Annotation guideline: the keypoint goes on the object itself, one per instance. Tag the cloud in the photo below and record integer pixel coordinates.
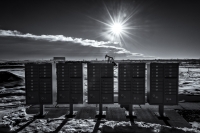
(113, 46)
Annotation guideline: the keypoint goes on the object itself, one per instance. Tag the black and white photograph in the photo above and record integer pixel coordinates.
(99, 66)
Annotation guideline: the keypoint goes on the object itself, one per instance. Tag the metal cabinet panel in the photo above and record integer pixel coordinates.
(46, 98)
(170, 99)
(170, 92)
(76, 98)
(63, 97)
(124, 97)
(32, 97)
(138, 99)
(107, 98)
(93, 97)
(156, 97)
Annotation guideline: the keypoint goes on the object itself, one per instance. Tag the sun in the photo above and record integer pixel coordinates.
(117, 28)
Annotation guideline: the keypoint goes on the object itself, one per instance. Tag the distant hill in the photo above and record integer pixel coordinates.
(8, 77)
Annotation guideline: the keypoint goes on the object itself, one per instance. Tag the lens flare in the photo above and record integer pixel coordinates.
(117, 28)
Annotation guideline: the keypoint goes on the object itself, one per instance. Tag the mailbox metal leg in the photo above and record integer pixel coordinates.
(71, 109)
(100, 109)
(130, 110)
(161, 110)
(42, 112)
(41, 109)
(70, 113)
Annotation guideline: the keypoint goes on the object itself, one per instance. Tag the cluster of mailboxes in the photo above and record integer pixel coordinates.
(100, 83)
(131, 83)
(38, 83)
(69, 83)
(163, 87)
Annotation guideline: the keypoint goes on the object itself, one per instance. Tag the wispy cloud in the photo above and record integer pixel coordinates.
(84, 42)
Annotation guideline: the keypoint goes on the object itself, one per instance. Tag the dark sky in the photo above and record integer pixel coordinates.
(162, 29)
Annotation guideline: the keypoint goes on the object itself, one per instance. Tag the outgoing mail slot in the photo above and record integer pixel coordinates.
(76, 98)
(170, 99)
(156, 98)
(93, 97)
(138, 99)
(107, 98)
(46, 98)
(32, 97)
(63, 97)
(124, 97)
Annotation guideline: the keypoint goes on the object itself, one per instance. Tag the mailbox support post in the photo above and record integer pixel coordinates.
(130, 110)
(161, 110)
(41, 109)
(100, 109)
(42, 112)
(71, 109)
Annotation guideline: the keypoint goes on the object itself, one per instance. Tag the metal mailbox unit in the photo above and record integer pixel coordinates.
(163, 84)
(38, 81)
(69, 83)
(131, 82)
(100, 84)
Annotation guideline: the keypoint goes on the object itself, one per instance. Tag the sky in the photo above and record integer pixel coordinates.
(81, 29)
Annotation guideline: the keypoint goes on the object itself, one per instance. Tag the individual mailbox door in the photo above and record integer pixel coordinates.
(93, 97)
(32, 97)
(124, 97)
(63, 97)
(107, 98)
